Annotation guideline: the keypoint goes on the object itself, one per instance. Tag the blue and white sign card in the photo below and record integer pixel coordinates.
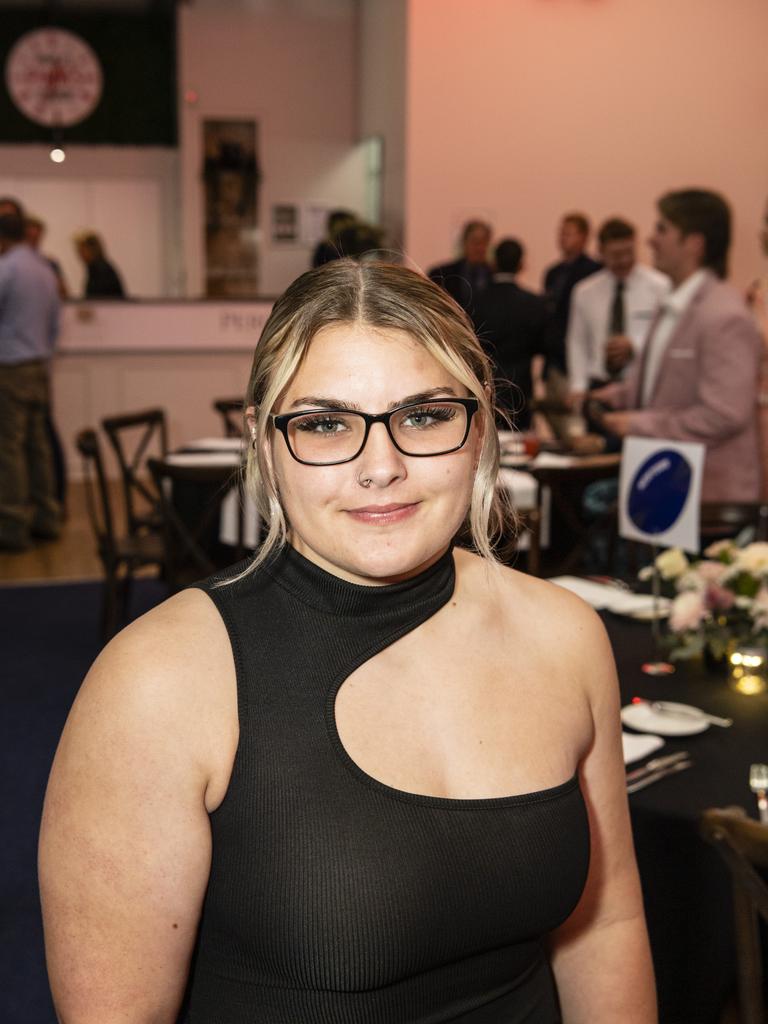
(660, 492)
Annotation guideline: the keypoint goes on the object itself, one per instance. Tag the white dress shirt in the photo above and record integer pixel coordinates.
(590, 318)
(672, 308)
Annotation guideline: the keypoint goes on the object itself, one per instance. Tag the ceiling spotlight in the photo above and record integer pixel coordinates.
(58, 155)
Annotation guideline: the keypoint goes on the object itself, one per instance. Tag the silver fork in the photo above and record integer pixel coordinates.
(758, 783)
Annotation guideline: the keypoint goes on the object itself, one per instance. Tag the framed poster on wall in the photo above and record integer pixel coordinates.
(285, 223)
(231, 180)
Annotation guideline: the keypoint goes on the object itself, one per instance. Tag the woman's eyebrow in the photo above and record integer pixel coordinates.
(316, 402)
(423, 396)
(320, 402)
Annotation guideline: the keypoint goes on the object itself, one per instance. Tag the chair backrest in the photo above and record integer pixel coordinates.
(133, 437)
(231, 411)
(726, 519)
(743, 845)
(528, 524)
(97, 492)
(190, 503)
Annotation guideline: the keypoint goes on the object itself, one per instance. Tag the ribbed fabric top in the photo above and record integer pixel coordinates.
(334, 898)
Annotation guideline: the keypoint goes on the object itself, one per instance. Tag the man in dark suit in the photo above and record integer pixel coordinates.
(561, 278)
(467, 278)
(559, 281)
(511, 325)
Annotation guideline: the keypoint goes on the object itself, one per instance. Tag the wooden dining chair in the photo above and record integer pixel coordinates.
(120, 555)
(529, 525)
(566, 485)
(191, 499)
(231, 412)
(743, 845)
(134, 437)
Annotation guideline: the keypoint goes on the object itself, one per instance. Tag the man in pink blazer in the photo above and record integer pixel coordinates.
(698, 376)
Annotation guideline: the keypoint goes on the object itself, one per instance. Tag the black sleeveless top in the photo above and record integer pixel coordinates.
(336, 899)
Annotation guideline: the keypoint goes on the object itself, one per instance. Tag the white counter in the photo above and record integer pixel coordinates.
(116, 357)
(161, 326)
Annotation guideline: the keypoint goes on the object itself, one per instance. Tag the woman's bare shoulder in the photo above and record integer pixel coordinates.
(179, 639)
(535, 607)
(169, 672)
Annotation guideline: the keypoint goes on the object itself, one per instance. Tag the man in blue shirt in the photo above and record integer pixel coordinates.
(29, 314)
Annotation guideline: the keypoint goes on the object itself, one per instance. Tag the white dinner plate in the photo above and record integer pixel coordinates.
(216, 444)
(651, 613)
(664, 723)
(203, 459)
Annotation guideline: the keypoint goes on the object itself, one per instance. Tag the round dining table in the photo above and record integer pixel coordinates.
(686, 885)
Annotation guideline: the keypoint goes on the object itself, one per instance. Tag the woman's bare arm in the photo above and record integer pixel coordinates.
(125, 843)
(600, 956)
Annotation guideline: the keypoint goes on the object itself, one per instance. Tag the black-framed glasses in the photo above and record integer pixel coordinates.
(328, 437)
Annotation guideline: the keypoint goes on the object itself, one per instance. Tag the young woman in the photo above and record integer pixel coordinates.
(371, 778)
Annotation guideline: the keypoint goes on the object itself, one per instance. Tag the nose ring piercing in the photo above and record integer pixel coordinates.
(365, 483)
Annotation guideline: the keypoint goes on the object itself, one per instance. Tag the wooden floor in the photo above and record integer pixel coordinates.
(72, 557)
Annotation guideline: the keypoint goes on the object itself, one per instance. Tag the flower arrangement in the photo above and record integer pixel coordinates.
(720, 599)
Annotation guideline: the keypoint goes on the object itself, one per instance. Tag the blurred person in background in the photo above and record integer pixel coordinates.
(34, 230)
(511, 325)
(29, 316)
(757, 299)
(611, 312)
(467, 278)
(327, 249)
(359, 240)
(561, 278)
(9, 204)
(698, 377)
(102, 279)
(559, 281)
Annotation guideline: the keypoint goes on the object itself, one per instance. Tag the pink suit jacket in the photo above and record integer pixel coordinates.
(706, 390)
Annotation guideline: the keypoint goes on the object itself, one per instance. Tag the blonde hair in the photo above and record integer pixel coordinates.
(378, 295)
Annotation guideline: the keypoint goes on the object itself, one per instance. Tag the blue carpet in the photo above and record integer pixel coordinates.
(50, 636)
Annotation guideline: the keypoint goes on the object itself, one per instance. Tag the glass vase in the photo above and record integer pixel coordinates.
(747, 668)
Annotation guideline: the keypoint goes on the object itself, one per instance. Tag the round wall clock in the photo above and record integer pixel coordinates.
(54, 77)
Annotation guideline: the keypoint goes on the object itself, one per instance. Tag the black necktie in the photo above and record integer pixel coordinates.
(616, 325)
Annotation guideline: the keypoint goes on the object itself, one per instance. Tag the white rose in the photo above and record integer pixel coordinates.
(720, 547)
(691, 580)
(672, 563)
(753, 559)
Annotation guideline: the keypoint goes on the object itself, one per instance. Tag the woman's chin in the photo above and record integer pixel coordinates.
(376, 563)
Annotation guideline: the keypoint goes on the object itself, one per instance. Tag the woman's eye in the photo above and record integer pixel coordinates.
(428, 417)
(322, 425)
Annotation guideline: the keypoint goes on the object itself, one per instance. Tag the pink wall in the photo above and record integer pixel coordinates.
(519, 109)
(293, 68)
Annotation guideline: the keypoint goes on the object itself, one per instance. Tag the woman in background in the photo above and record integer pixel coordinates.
(102, 280)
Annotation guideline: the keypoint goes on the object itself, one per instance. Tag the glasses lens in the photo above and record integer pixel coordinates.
(324, 437)
(429, 429)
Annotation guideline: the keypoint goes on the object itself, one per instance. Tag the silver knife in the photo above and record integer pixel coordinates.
(648, 780)
(656, 763)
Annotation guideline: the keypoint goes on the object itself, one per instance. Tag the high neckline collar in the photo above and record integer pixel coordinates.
(329, 593)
